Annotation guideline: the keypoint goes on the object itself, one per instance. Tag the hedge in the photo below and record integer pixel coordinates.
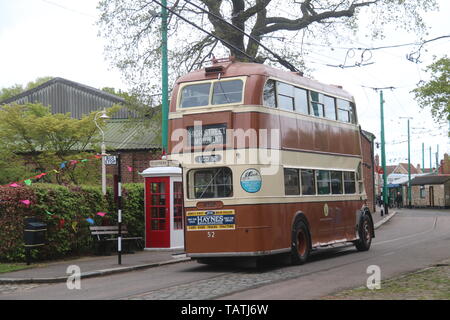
(65, 210)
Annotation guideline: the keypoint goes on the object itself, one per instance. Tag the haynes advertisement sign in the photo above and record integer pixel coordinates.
(210, 220)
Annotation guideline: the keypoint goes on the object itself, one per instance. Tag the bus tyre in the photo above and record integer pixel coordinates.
(301, 243)
(365, 234)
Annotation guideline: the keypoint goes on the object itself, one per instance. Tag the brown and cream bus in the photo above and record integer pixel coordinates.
(271, 163)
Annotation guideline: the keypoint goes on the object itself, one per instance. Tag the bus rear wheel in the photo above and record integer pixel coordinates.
(365, 234)
(301, 243)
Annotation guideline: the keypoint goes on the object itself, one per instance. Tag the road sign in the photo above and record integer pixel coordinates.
(111, 160)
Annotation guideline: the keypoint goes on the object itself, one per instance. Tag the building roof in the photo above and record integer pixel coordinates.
(123, 134)
(390, 169)
(64, 96)
(430, 179)
(368, 135)
(413, 168)
(401, 168)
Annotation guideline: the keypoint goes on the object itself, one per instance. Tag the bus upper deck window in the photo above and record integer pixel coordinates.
(227, 92)
(317, 108)
(330, 107)
(345, 111)
(301, 100)
(286, 95)
(195, 95)
(269, 94)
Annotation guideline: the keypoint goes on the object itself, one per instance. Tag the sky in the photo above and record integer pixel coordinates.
(59, 38)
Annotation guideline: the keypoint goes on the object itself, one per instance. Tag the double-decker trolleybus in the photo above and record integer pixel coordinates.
(271, 163)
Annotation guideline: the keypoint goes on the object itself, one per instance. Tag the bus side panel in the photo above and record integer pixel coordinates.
(266, 228)
(337, 223)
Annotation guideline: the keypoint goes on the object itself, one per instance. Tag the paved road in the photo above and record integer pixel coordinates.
(411, 240)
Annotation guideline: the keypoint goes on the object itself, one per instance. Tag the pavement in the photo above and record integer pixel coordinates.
(97, 266)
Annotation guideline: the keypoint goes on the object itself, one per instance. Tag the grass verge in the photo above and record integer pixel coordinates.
(8, 267)
(428, 284)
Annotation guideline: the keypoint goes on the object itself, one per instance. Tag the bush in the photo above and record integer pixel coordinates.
(65, 210)
(12, 215)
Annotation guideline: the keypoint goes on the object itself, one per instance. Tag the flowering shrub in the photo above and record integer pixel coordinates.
(66, 211)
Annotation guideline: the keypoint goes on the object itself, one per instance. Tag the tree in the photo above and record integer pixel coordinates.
(46, 139)
(6, 93)
(435, 93)
(133, 28)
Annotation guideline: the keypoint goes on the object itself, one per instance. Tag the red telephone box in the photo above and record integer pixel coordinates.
(163, 206)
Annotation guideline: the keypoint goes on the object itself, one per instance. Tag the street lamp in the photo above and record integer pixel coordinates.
(409, 164)
(102, 115)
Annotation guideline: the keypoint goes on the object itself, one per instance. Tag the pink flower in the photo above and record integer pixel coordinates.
(25, 202)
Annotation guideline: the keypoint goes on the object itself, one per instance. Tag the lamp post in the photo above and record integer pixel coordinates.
(409, 164)
(383, 157)
(102, 115)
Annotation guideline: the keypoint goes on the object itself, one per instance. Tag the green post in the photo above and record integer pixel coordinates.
(423, 157)
(164, 77)
(431, 163)
(437, 159)
(409, 169)
(383, 155)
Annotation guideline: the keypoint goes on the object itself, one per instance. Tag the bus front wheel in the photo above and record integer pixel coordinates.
(301, 243)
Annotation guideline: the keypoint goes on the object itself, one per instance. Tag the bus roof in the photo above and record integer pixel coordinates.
(236, 69)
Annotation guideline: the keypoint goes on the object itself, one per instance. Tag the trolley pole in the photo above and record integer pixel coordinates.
(383, 155)
(164, 76)
(119, 210)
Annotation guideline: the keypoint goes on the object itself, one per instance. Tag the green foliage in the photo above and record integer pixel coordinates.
(12, 215)
(133, 208)
(435, 93)
(49, 139)
(65, 210)
(12, 167)
(6, 93)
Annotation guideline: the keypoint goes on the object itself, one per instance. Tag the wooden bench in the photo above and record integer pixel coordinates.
(106, 239)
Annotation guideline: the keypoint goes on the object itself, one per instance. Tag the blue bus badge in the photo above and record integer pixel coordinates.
(251, 180)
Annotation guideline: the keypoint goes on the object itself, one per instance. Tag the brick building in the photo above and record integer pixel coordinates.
(137, 144)
(368, 167)
(431, 191)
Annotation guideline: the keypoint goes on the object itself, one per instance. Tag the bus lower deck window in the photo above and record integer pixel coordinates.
(210, 183)
(291, 182)
(336, 182)
(349, 182)
(308, 182)
(323, 182)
